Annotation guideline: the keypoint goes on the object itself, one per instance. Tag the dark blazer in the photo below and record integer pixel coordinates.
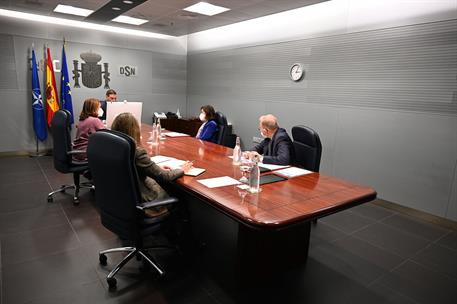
(209, 131)
(277, 150)
(103, 106)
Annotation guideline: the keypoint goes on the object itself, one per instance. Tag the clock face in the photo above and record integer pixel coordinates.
(296, 72)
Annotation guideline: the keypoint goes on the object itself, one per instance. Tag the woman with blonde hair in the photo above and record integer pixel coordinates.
(148, 171)
(88, 124)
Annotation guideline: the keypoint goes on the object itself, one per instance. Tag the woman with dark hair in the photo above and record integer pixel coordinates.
(88, 124)
(208, 130)
(148, 171)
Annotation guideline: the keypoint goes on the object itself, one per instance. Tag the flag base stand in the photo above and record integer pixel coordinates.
(37, 152)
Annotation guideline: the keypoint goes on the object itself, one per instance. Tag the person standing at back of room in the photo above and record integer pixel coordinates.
(110, 96)
(208, 130)
(276, 148)
(88, 124)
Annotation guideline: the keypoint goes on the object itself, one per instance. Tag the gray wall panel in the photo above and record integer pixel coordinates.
(383, 102)
(160, 83)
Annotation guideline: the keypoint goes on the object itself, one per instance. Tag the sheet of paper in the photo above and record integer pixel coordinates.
(175, 134)
(160, 159)
(272, 167)
(218, 182)
(195, 171)
(177, 163)
(292, 172)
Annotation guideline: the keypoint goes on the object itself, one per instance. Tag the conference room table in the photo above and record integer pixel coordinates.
(264, 232)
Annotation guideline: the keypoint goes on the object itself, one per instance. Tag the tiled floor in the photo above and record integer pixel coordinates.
(367, 254)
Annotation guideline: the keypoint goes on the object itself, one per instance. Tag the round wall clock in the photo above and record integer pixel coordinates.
(296, 72)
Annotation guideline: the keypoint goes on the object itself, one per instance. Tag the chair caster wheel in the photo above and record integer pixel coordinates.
(102, 259)
(50, 199)
(75, 201)
(111, 283)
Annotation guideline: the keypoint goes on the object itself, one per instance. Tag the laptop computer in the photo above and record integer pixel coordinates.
(115, 108)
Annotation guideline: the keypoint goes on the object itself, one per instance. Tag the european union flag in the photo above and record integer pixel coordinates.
(65, 91)
(39, 121)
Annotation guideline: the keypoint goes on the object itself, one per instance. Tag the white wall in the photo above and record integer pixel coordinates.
(328, 18)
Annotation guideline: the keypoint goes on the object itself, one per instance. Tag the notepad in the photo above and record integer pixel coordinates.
(160, 159)
(272, 167)
(218, 182)
(174, 163)
(292, 172)
(175, 134)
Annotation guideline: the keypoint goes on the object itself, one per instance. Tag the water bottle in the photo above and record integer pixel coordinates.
(178, 114)
(254, 177)
(159, 129)
(154, 138)
(237, 152)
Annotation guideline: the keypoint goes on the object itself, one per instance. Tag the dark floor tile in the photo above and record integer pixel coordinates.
(394, 240)
(84, 293)
(21, 177)
(45, 162)
(440, 259)
(449, 240)
(23, 196)
(46, 215)
(415, 226)
(85, 211)
(355, 259)
(25, 246)
(421, 284)
(52, 274)
(91, 230)
(323, 232)
(347, 222)
(372, 211)
(385, 295)
(18, 164)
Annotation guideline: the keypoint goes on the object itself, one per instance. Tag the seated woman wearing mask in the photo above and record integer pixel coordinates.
(88, 124)
(208, 130)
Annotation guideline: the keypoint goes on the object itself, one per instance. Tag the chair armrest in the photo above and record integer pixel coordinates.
(156, 203)
(75, 152)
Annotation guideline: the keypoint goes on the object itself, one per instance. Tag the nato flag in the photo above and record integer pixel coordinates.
(39, 121)
(65, 91)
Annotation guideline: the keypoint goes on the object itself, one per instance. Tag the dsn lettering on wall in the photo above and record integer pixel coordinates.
(128, 71)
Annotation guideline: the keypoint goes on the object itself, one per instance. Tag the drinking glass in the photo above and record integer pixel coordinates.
(245, 167)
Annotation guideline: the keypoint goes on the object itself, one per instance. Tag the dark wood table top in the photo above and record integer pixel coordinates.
(278, 205)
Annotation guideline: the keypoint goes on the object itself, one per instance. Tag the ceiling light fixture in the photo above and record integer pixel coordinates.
(128, 2)
(115, 8)
(81, 24)
(206, 9)
(130, 20)
(71, 10)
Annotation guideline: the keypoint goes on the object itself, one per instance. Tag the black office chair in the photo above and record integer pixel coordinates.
(307, 148)
(119, 198)
(62, 155)
(221, 121)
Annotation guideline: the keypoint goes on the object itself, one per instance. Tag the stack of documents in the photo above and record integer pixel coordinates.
(292, 172)
(272, 167)
(219, 182)
(175, 134)
(174, 163)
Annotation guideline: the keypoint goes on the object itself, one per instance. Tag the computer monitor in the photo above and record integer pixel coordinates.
(115, 108)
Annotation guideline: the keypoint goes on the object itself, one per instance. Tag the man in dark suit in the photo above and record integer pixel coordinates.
(277, 147)
(111, 96)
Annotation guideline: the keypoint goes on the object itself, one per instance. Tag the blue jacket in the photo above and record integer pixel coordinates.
(277, 150)
(209, 132)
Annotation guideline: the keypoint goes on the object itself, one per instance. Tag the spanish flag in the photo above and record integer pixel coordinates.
(52, 98)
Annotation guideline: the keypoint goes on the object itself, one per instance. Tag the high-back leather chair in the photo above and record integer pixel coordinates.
(62, 155)
(119, 198)
(307, 148)
(221, 121)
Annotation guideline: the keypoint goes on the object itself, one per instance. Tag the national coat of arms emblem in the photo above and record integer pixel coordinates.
(91, 71)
